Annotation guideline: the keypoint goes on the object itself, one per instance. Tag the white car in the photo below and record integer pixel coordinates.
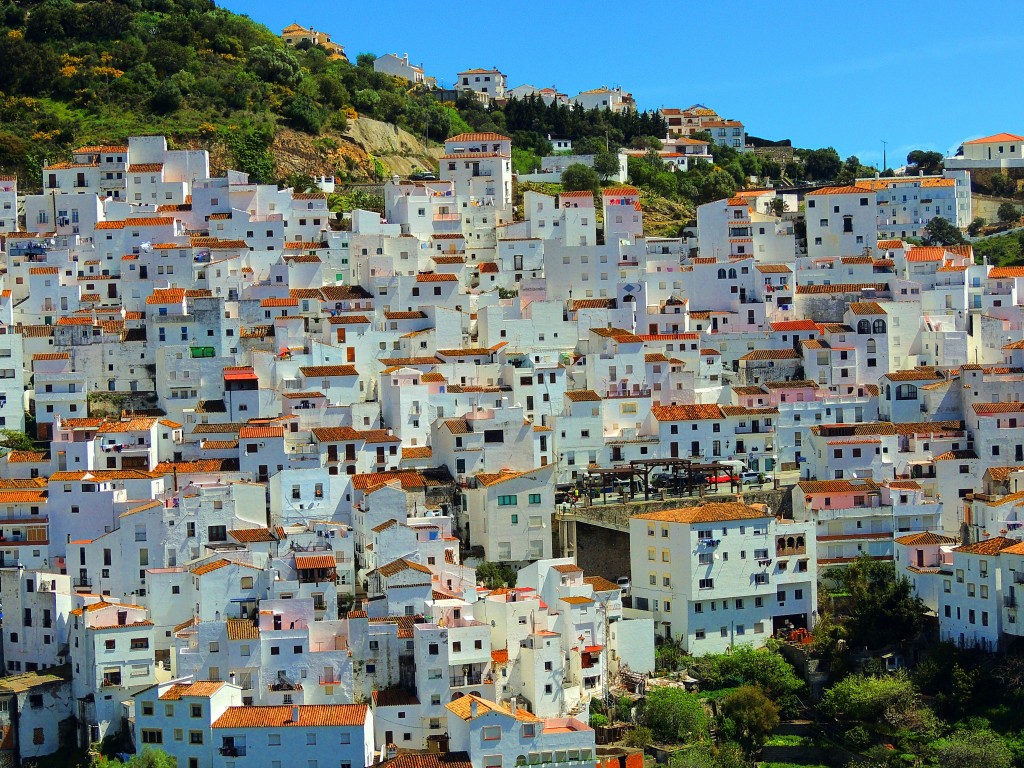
(623, 584)
(749, 477)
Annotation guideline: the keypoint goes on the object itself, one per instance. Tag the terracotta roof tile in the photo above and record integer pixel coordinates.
(310, 716)
(925, 539)
(687, 412)
(707, 513)
(992, 546)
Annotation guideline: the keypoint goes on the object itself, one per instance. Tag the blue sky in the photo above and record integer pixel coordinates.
(925, 75)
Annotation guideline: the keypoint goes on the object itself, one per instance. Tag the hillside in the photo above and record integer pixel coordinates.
(98, 72)
(91, 72)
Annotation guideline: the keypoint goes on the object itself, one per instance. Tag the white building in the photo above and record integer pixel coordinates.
(398, 66)
(723, 574)
(1001, 150)
(613, 99)
(485, 84)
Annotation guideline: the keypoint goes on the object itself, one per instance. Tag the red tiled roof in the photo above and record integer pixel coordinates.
(686, 412)
(260, 431)
(310, 716)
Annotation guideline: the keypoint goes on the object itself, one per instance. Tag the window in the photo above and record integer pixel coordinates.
(706, 584)
(195, 737)
(535, 498)
(507, 501)
(152, 736)
(274, 740)
(492, 733)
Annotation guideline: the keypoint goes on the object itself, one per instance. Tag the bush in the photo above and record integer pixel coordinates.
(673, 715)
(639, 737)
(858, 737)
(166, 98)
(1002, 185)
(303, 113)
(579, 178)
(867, 699)
(597, 720)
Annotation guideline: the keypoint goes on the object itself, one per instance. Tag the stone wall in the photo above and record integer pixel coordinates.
(602, 537)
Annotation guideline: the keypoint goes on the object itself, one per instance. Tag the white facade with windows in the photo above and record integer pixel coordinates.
(723, 574)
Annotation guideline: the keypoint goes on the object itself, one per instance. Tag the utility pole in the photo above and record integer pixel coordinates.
(885, 163)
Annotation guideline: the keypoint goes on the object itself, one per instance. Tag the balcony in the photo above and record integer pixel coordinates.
(1009, 601)
(82, 583)
(636, 391)
(474, 678)
(232, 751)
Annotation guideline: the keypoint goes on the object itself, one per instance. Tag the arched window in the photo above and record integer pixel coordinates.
(864, 326)
(878, 326)
(872, 347)
(732, 274)
(799, 541)
(721, 274)
(906, 392)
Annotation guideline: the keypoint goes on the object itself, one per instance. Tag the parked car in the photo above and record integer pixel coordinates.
(423, 176)
(623, 584)
(750, 477)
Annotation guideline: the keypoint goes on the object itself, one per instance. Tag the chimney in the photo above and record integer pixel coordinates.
(472, 707)
(515, 704)
(295, 714)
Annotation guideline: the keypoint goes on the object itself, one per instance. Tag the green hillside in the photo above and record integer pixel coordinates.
(90, 72)
(84, 72)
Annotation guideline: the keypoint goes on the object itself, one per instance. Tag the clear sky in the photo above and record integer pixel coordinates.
(845, 73)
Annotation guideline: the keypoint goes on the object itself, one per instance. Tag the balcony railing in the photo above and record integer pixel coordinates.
(634, 392)
(81, 583)
(232, 751)
(1010, 601)
(472, 679)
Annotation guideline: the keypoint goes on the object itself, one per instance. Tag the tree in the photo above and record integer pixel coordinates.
(929, 162)
(852, 170)
(606, 164)
(777, 206)
(166, 98)
(753, 714)
(885, 610)
(717, 185)
(822, 164)
(591, 145)
(1007, 212)
(578, 177)
(974, 749)
(496, 575)
(674, 716)
(274, 65)
(15, 441)
(940, 231)
(1002, 185)
(975, 227)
